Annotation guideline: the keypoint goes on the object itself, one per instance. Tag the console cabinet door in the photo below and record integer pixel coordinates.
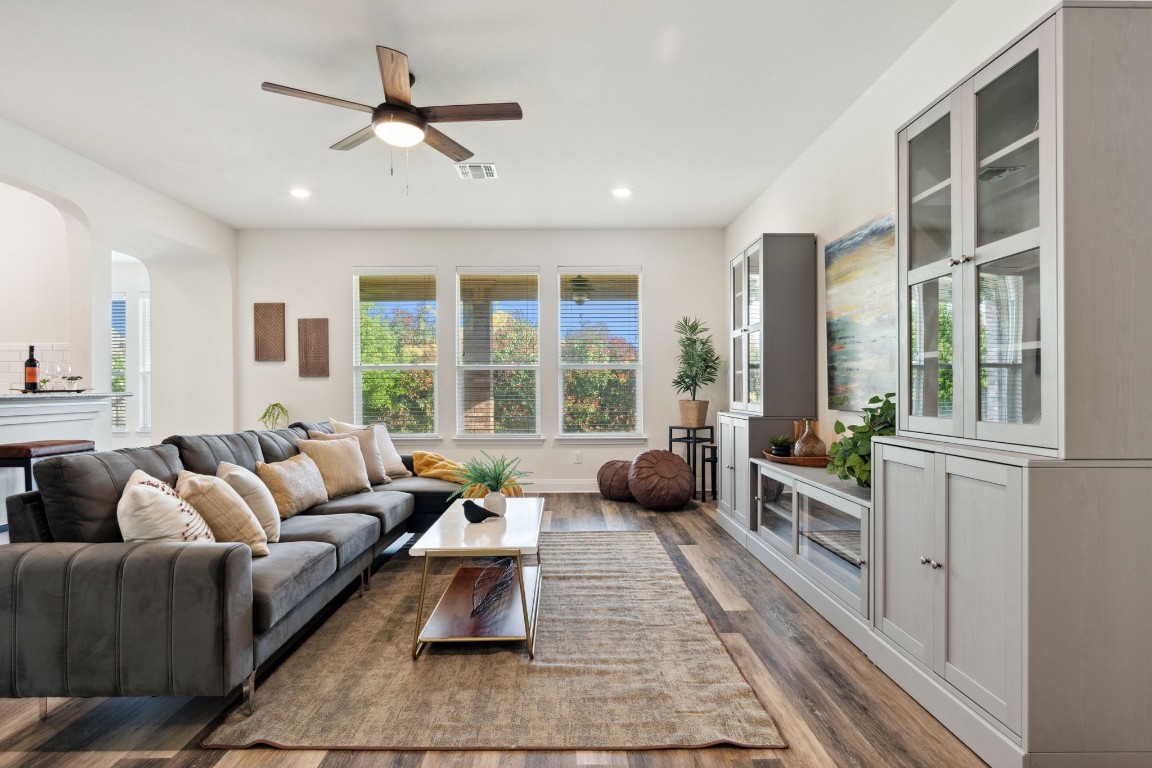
(980, 644)
(741, 488)
(727, 462)
(904, 501)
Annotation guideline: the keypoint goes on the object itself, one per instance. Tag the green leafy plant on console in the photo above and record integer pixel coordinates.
(852, 453)
(272, 415)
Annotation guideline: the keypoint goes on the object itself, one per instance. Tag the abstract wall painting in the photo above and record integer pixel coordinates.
(861, 313)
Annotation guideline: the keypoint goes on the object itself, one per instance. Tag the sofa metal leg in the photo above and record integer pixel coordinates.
(43, 707)
(249, 689)
(366, 577)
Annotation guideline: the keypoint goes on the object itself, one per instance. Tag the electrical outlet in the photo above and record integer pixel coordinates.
(579, 457)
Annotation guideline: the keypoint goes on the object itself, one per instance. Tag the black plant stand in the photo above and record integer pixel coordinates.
(691, 439)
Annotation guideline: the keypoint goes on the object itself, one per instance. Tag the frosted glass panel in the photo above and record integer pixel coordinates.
(930, 185)
(1008, 148)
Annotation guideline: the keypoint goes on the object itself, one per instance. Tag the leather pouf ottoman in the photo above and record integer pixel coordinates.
(613, 480)
(661, 480)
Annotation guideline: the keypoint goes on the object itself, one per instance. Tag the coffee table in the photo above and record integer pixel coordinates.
(512, 617)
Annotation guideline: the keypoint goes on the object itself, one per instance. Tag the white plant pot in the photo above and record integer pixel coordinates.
(496, 502)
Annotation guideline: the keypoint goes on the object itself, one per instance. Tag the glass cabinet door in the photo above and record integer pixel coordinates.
(930, 192)
(739, 297)
(775, 509)
(739, 394)
(833, 544)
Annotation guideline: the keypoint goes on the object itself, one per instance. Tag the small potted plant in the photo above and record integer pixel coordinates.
(699, 366)
(852, 453)
(491, 478)
(272, 415)
(72, 381)
(781, 445)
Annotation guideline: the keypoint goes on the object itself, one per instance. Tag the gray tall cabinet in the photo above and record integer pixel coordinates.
(772, 359)
(1012, 516)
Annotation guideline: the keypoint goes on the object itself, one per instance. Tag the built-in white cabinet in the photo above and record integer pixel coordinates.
(772, 347)
(740, 437)
(950, 586)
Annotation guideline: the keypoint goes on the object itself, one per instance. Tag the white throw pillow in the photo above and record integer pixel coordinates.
(369, 449)
(151, 510)
(222, 508)
(393, 464)
(341, 465)
(255, 494)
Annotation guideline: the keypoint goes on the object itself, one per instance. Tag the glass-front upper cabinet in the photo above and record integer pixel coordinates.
(745, 273)
(977, 254)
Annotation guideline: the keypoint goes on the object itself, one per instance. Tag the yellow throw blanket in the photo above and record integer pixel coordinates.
(428, 464)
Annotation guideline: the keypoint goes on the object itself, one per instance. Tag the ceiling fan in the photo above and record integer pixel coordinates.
(399, 123)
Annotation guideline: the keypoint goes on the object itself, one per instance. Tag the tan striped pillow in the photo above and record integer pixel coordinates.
(223, 509)
(369, 450)
(295, 484)
(341, 465)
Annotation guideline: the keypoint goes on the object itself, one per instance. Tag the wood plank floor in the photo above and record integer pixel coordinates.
(831, 704)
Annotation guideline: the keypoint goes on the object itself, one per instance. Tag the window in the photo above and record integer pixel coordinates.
(599, 354)
(145, 425)
(119, 361)
(498, 354)
(395, 354)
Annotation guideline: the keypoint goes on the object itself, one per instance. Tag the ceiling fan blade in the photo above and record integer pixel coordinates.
(442, 143)
(466, 112)
(274, 88)
(355, 139)
(394, 74)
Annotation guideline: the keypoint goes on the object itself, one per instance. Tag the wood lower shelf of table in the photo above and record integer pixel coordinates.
(451, 620)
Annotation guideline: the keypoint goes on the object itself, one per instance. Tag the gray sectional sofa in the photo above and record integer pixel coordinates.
(86, 614)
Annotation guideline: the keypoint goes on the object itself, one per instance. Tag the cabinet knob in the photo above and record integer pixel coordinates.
(953, 262)
(966, 259)
(923, 560)
(935, 564)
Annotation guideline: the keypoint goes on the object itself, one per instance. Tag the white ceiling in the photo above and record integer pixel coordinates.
(696, 105)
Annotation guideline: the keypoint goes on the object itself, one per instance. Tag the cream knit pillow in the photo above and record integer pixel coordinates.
(369, 450)
(151, 510)
(222, 508)
(255, 494)
(393, 464)
(295, 484)
(341, 465)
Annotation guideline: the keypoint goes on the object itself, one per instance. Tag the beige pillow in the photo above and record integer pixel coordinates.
(255, 494)
(295, 484)
(341, 465)
(222, 508)
(393, 464)
(369, 450)
(151, 510)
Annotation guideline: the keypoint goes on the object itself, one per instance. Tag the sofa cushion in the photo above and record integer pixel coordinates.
(81, 491)
(295, 484)
(390, 508)
(202, 454)
(279, 444)
(350, 534)
(431, 494)
(393, 463)
(292, 570)
(255, 494)
(224, 510)
(152, 510)
(340, 463)
(369, 451)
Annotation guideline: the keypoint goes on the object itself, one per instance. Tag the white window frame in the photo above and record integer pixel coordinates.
(358, 369)
(461, 436)
(561, 366)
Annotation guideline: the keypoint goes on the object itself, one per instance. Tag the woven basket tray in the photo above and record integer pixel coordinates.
(799, 461)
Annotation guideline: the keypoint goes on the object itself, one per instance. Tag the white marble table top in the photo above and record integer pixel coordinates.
(518, 529)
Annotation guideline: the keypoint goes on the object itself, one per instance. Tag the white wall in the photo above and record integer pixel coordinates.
(848, 175)
(311, 272)
(190, 256)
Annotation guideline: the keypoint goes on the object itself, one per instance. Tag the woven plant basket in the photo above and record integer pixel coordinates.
(693, 413)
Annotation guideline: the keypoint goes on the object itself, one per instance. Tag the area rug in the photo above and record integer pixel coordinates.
(624, 660)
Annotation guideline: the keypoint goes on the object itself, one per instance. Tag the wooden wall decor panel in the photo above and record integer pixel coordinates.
(313, 335)
(268, 325)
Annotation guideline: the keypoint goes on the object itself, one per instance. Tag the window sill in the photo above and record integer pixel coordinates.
(600, 440)
(498, 439)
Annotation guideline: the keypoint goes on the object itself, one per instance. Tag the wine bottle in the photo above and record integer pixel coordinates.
(31, 371)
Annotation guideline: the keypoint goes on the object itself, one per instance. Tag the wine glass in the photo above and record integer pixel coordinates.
(53, 370)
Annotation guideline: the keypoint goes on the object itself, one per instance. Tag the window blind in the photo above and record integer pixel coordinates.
(119, 361)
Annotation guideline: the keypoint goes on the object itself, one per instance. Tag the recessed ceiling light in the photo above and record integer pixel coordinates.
(301, 193)
(622, 192)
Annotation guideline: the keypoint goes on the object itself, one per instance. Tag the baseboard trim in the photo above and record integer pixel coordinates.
(561, 486)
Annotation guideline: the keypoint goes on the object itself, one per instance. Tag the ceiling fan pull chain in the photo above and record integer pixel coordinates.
(391, 161)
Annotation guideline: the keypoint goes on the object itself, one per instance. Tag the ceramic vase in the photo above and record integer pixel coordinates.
(496, 502)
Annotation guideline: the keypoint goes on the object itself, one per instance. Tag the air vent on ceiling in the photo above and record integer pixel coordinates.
(476, 170)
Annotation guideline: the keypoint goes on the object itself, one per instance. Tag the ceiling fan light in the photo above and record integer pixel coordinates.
(398, 127)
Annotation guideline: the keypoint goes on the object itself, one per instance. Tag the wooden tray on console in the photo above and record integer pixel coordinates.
(799, 461)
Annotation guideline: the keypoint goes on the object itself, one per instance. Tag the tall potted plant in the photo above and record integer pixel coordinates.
(699, 366)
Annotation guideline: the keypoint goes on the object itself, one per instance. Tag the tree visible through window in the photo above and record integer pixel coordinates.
(600, 354)
(395, 355)
(498, 354)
